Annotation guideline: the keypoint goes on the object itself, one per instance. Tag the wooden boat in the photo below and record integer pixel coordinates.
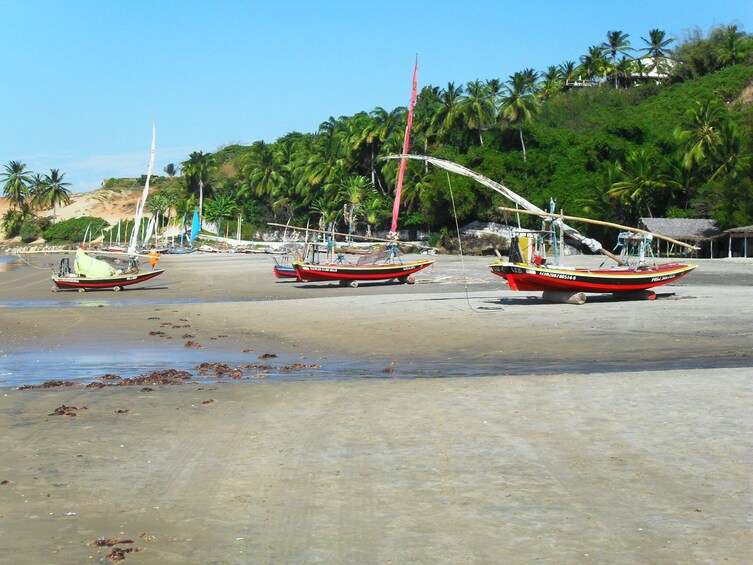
(92, 273)
(285, 272)
(384, 266)
(178, 250)
(527, 270)
(616, 279)
(349, 275)
(284, 269)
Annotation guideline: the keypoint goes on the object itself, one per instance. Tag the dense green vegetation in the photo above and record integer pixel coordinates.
(666, 132)
(27, 193)
(75, 230)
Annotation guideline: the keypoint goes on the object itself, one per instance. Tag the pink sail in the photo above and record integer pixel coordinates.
(406, 143)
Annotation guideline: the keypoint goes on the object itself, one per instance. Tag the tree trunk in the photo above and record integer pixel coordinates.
(201, 198)
(522, 143)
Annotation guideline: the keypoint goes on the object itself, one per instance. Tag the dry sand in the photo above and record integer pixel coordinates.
(608, 432)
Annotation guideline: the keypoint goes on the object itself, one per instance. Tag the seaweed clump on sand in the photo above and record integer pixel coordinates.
(220, 370)
(164, 377)
(116, 553)
(51, 384)
(64, 410)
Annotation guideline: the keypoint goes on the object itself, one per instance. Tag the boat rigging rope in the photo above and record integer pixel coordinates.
(28, 263)
(460, 250)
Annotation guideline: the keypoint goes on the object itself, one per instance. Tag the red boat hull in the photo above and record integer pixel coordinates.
(285, 272)
(617, 279)
(336, 273)
(115, 282)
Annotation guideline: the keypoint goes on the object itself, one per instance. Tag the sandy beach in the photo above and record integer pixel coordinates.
(467, 423)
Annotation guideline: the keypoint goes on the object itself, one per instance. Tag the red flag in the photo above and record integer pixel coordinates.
(406, 143)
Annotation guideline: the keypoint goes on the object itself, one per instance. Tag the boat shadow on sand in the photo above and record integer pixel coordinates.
(127, 289)
(309, 285)
(494, 302)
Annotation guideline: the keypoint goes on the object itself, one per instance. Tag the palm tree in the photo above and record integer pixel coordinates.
(427, 104)
(519, 104)
(261, 169)
(448, 114)
(494, 88)
(657, 50)
(327, 209)
(157, 204)
(552, 82)
(594, 65)
(702, 130)
(568, 71)
(530, 76)
(12, 221)
(290, 181)
(641, 68)
(16, 187)
(624, 69)
(371, 208)
(171, 170)
(56, 190)
(353, 191)
(197, 169)
(36, 191)
(616, 43)
(733, 43)
(640, 177)
(477, 108)
(221, 206)
(730, 156)
(377, 129)
(598, 203)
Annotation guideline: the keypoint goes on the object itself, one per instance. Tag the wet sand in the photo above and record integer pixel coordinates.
(629, 440)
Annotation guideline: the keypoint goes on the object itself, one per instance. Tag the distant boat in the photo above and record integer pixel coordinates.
(115, 249)
(283, 269)
(195, 228)
(92, 273)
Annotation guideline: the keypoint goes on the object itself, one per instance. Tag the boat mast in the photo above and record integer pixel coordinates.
(404, 161)
(144, 195)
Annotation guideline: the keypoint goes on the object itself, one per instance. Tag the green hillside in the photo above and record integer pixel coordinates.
(658, 130)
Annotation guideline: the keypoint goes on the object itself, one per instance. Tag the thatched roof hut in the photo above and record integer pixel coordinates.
(691, 230)
(737, 242)
(699, 232)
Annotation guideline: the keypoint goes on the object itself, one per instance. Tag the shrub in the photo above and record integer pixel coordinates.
(32, 229)
(74, 230)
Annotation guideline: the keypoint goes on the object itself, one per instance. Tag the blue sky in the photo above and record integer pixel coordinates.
(84, 80)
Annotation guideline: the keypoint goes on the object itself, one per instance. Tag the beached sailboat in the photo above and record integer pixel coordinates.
(185, 248)
(94, 269)
(384, 266)
(91, 272)
(527, 268)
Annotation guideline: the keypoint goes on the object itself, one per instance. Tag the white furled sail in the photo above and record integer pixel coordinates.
(144, 195)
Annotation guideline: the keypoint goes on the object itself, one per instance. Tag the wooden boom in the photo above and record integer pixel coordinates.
(368, 237)
(598, 223)
(113, 254)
